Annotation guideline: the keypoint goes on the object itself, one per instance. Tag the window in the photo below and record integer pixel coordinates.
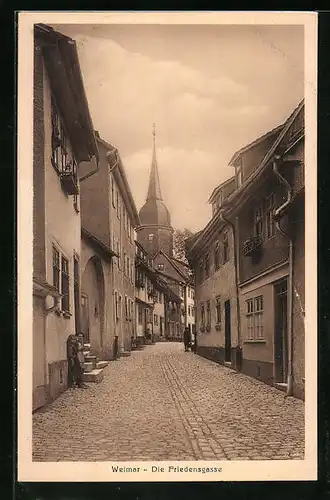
(155, 319)
(65, 284)
(217, 255)
(140, 314)
(120, 306)
(160, 297)
(192, 294)
(202, 316)
(207, 265)
(160, 267)
(189, 311)
(225, 247)
(258, 221)
(119, 255)
(126, 307)
(113, 192)
(218, 310)
(125, 268)
(192, 311)
(254, 316)
(117, 204)
(116, 306)
(269, 216)
(182, 291)
(239, 176)
(62, 158)
(56, 269)
(201, 272)
(208, 314)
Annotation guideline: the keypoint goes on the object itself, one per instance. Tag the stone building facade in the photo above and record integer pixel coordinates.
(63, 140)
(265, 213)
(109, 216)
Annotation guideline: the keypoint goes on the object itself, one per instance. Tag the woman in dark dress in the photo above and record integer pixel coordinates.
(186, 339)
(75, 369)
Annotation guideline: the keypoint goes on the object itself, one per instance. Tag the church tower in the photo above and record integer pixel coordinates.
(155, 232)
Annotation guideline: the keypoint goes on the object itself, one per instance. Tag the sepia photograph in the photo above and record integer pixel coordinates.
(167, 180)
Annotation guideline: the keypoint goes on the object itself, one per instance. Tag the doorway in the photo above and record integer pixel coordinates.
(281, 332)
(85, 318)
(227, 332)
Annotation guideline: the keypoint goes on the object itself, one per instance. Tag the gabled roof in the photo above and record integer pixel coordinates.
(275, 131)
(235, 199)
(218, 188)
(185, 268)
(98, 244)
(66, 82)
(165, 287)
(180, 268)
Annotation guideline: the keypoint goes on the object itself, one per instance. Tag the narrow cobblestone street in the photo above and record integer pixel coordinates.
(164, 404)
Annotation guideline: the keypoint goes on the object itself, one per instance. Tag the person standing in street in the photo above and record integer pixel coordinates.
(75, 368)
(186, 339)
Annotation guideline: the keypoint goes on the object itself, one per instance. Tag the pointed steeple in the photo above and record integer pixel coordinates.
(154, 191)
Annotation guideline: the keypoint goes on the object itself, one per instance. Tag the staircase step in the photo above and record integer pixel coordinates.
(86, 353)
(125, 354)
(95, 375)
(281, 386)
(87, 347)
(101, 364)
(88, 367)
(91, 359)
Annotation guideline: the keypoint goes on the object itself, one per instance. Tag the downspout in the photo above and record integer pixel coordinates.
(84, 177)
(236, 260)
(277, 215)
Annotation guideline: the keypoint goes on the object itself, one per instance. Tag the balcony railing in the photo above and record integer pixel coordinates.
(252, 245)
(69, 179)
(139, 282)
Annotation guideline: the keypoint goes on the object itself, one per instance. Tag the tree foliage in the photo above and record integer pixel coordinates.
(179, 238)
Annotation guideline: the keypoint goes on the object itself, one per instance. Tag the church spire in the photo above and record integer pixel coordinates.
(154, 184)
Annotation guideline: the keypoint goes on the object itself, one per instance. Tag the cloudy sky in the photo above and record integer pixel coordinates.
(210, 90)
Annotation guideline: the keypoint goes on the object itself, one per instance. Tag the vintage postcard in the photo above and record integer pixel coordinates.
(166, 289)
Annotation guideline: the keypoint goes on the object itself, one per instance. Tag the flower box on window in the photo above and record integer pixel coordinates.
(69, 179)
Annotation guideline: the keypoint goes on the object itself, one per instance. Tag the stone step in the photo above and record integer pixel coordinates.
(95, 375)
(125, 354)
(281, 386)
(87, 347)
(101, 364)
(86, 353)
(88, 367)
(91, 359)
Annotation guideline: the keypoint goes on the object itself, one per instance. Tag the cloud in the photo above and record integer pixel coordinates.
(207, 102)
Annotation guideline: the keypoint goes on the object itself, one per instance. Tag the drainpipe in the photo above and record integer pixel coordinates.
(277, 215)
(236, 261)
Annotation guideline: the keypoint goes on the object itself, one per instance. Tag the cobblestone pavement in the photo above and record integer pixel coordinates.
(164, 404)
